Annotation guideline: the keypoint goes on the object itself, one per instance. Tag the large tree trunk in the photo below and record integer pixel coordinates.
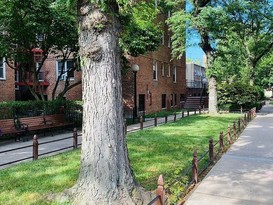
(105, 173)
(213, 96)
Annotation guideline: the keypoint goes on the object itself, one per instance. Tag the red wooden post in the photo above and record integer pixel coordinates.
(155, 120)
(141, 122)
(174, 117)
(211, 150)
(195, 167)
(239, 125)
(75, 138)
(160, 191)
(221, 141)
(35, 147)
(229, 135)
(234, 130)
(125, 126)
(166, 119)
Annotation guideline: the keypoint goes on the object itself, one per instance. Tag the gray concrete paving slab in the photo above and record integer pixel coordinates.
(244, 174)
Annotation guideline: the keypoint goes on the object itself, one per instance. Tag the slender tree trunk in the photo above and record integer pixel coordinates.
(213, 96)
(105, 173)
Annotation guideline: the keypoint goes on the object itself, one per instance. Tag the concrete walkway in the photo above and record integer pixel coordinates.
(244, 175)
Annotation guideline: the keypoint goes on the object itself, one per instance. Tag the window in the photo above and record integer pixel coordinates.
(174, 74)
(162, 69)
(65, 69)
(163, 104)
(155, 70)
(169, 40)
(16, 78)
(2, 70)
(169, 70)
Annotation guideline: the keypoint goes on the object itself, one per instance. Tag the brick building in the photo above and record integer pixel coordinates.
(12, 86)
(160, 81)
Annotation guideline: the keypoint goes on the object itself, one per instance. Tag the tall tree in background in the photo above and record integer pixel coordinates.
(105, 174)
(29, 24)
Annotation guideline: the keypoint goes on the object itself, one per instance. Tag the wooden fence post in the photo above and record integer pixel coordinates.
(166, 118)
(75, 138)
(199, 110)
(160, 191)
(239, 125)
(195, 111)
(245, 118)
(183, 114)
(211, 150)
(221, 141)
(195, 167)
(35, 147)
(125, 126)
(174, 117)
(234, 130)
(141, 122)
(155, 120)
(188, 112)
(229, 135)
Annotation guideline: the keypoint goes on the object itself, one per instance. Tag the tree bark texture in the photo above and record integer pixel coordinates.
(105, 173)
(213, 96)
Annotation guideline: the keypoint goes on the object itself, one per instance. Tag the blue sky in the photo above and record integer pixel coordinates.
(195, 53)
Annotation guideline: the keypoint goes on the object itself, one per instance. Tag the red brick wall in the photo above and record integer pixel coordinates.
(50, 70)
(7, 86)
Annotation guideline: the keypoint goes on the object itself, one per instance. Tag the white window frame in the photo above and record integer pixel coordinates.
(169, 40)
(169, 70)
(63, 78)
(4, 70)
(162, 69)
(174, 74)
(155, 70)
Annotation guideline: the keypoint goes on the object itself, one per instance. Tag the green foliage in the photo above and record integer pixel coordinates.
(238, 95)
(34, 108)
(141, 34)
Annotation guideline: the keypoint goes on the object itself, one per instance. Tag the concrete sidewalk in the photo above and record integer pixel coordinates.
(244, 175)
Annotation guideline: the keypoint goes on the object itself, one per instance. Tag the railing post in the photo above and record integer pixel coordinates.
(199, 110)
(221, 141)
(229, 135)
(183, 113)
(160, 191)
(174, 117)
(35, 147)
(166, 118)
(195, 111)
(211, 150)
(155, 120)
(188, 112)
(141, 122)
(239, 125)
(75, 138)
(245, 118)
(234, 130)
(195, 167)
(125, 126)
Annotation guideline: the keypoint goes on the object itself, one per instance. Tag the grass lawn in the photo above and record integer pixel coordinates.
(166, 149)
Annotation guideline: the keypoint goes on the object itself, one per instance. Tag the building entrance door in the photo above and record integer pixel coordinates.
(141, 102)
